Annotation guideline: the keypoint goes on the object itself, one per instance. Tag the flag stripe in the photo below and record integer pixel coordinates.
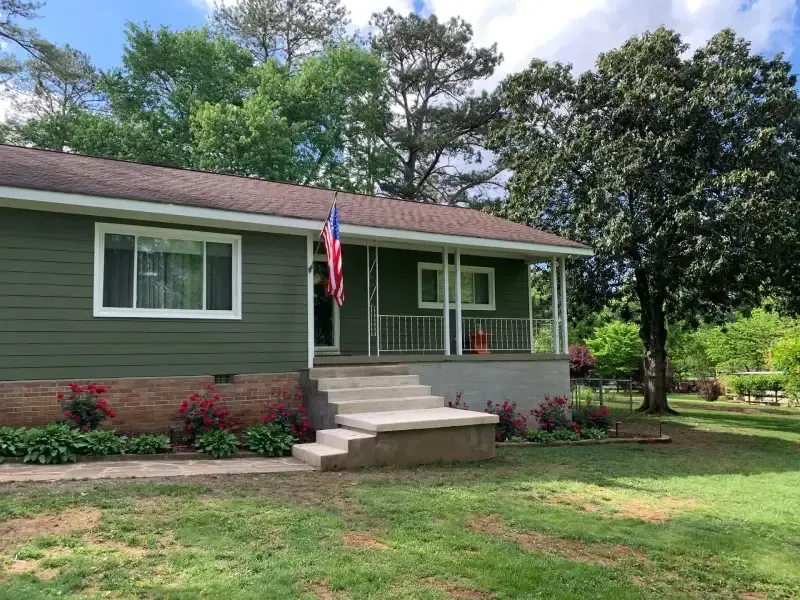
(333, 253)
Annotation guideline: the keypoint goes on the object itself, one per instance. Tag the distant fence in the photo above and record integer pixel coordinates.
(617, 394)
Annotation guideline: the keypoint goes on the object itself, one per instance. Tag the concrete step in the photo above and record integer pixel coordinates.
(319, 455)
(403, 420)
(342, 439)
(345, 407)
(374, 393)
(336, 383)
(358, 371)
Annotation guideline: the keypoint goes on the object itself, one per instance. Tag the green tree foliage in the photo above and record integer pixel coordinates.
(785, 356)
(680, 170)
(687, 351)
(287, 30)
(437, 125)
(316, 125)
(744, 344)
(617, 348)
(13, 34)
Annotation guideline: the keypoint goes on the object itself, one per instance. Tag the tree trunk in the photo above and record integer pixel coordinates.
(653, 332)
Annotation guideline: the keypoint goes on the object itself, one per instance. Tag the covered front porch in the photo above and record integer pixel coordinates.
(418, 301)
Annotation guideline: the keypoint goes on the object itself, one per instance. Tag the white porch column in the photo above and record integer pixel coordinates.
(530, 304)
(446, 303)
(310, 294)
(554, 293)
(459, 325)
(564, 338)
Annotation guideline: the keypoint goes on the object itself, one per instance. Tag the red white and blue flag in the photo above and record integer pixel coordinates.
(333, 252)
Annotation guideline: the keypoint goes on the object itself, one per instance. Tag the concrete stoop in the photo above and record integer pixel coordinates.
(381, 415)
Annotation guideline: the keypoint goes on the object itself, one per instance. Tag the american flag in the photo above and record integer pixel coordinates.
(333, 251)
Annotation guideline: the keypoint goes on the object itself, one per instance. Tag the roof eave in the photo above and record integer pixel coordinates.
(15, 197)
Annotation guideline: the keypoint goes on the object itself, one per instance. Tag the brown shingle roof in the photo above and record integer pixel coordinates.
(72, 173)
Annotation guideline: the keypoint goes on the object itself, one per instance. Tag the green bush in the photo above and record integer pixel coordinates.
(271, 439)
(594, 433)
(54, 444)
(102, 443)
(785, 356)
(12, 442)
(219, 443)
(148, 444)
(758, 384)
(548, 437)
(617, 348)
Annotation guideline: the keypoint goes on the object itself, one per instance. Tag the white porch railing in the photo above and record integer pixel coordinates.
(483, 335)
(411, 333)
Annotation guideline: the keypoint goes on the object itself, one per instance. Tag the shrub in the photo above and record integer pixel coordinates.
(84, 408)
(546, 437)
(219, 443)
(593, 417)
(54, 444)
(581, 361)
(617, 348)
(272, 439)
(458, 404)
(758, 384)
(294, 420)
(201, 414)
(12, 442)
(709, 389)
(594, 433)
(785, 356)
(102, 443)
(554, 413)
(511, 423)
(148, 444)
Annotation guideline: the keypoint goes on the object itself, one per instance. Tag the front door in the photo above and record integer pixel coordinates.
(326, 312)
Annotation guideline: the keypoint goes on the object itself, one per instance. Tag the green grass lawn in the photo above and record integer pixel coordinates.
(716, 514)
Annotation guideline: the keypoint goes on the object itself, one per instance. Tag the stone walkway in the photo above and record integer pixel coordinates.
(147, 468)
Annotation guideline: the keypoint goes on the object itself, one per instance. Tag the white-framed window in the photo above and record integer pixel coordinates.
(477, 286)
(166, 273)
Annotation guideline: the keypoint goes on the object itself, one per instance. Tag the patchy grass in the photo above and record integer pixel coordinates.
(714, 515)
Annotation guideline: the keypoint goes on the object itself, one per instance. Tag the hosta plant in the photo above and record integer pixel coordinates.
(83, 406)
(54, 444)
(12, 442)
(219, 443)
(148, 444)
(102, 443)
(272, 439)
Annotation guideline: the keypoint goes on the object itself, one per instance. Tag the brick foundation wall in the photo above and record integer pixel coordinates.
(146, 405)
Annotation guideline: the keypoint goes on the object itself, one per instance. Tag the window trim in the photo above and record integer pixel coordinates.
(100, 231)
(464, 269)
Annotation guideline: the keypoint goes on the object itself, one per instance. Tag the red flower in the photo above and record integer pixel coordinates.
(211, 387)
(207, 421)
(101, 403)
(60, 396)
(67, 413)
(85, 428)
(100, 389)
(216, 396)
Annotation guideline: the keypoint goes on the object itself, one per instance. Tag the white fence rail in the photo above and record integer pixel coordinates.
(483, 335)
(411, 333)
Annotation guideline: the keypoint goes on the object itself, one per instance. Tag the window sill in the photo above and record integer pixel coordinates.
(165, 314)
(440, 306)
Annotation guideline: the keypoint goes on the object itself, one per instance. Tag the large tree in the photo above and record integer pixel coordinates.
(288, 30)
(680, 170)
(437, 124)
(14, 35)
(313, 126)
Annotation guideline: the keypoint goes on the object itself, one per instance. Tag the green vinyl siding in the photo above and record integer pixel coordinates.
(48, 331)
(398, 291)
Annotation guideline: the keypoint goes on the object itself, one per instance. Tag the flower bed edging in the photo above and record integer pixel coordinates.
(664, 439)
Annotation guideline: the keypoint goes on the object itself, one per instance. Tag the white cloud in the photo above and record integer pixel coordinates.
(576, 31)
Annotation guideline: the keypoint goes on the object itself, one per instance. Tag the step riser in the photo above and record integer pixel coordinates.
(343, 439)
(376, 393)
(321, 461)
(349, 408)
(357, 371)
(366, 382)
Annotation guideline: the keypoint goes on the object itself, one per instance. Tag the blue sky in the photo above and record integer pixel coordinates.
(572, 30)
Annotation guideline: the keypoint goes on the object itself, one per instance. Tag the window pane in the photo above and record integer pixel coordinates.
(170, 274)
(467, 288)
(481, 288)
(430, 285)
(219, 276)
(118, 270)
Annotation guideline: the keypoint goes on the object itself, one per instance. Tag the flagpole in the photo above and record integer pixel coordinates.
(325, 222)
